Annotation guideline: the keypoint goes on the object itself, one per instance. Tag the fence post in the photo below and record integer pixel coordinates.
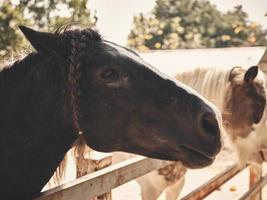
(255, 175)
(95, 161)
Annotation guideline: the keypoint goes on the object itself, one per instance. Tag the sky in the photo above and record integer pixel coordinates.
(115, 16)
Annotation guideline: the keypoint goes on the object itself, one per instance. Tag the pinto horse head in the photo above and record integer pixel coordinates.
(245, 100)
(244, 113)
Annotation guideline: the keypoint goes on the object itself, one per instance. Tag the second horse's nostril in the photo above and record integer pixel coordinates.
(209, 126)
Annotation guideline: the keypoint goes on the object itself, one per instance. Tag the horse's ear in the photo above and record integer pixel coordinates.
(251, 73)
(43, 42)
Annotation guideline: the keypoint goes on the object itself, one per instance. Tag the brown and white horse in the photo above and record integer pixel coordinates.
(240, 95)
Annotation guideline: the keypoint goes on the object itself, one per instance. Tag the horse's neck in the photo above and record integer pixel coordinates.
(209, 82)
(248, 147)
(35, 132)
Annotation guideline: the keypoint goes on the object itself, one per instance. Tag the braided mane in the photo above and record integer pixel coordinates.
(79, 40)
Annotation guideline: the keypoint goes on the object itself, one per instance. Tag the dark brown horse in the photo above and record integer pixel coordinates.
(78, 85)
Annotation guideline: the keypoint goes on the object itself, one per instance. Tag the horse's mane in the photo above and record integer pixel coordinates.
(210, 82)
(77, 154)
(91, 34)
(79, 38)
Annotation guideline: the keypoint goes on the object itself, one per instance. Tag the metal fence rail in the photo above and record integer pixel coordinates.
(255, 189)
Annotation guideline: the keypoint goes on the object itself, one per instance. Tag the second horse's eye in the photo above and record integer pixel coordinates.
(110, 75)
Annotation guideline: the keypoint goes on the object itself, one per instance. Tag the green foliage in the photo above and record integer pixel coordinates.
(10, 17)
(44, 15)
(176, 24)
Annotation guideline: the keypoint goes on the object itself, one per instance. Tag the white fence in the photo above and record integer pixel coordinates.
(102, 181)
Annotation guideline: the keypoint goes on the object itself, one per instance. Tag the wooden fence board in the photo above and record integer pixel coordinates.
(104, 180)
(213, 183)
(255, 189)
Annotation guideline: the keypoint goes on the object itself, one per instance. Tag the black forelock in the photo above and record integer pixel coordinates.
(77, 30)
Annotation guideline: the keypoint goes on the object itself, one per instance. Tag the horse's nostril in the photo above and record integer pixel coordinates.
(208, 126)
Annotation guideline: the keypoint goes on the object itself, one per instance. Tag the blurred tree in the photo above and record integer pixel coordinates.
(44, 15)
(10, 17)
(176, 24)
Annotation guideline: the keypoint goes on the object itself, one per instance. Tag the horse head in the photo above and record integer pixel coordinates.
(244, 112)
(118, 102)
(245, 100)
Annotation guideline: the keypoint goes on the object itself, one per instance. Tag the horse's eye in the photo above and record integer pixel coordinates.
(110, 75)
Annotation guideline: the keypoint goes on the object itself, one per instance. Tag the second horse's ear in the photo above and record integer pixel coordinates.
(43, 42)
(251, 73)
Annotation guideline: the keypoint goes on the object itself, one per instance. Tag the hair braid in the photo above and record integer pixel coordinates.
(78, 47)
(77, 50)
(79, 39)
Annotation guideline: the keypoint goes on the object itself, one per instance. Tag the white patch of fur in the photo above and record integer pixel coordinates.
(246, 147)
